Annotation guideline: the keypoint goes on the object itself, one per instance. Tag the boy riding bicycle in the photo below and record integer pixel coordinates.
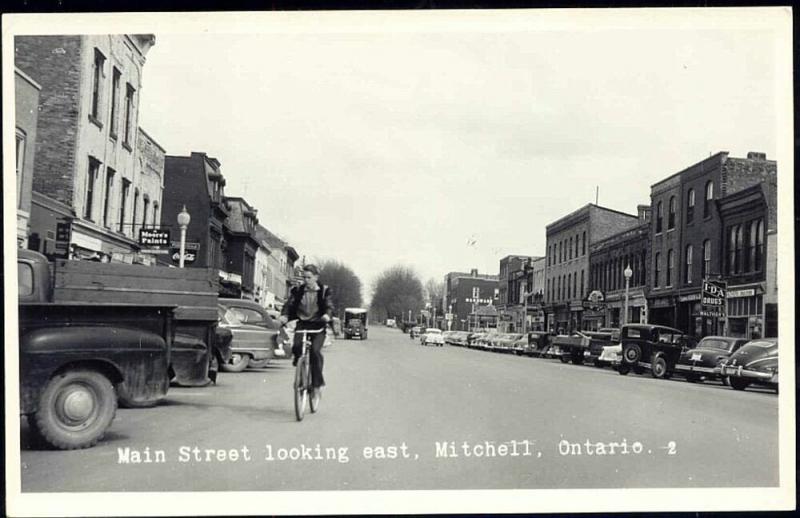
(310, 304)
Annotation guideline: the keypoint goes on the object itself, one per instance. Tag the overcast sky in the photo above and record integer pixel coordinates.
(399, 147)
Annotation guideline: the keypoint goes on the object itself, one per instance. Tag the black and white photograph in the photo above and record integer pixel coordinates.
(457, 261)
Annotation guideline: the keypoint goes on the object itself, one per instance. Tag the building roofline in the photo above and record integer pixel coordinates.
(150, 137)
(586, 208)
(715, 156)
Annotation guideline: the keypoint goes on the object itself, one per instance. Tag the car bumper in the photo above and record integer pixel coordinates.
(682, 367)
(741, 372)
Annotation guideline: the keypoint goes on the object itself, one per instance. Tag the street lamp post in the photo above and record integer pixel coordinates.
(627, 273)
(183, 221)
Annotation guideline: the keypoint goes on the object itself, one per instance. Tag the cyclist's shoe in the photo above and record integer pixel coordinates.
(294, 361)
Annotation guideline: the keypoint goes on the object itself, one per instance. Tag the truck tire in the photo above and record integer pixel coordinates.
(632, 353)
(658, 366)
(75, 409)
(577, 357)
(623, 369)
(237, 363)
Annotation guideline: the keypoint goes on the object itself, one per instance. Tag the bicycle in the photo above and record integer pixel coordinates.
(302, 379)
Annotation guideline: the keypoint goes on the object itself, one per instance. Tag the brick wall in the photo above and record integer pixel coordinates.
(605, 223)
(740, 173)
(54, 62)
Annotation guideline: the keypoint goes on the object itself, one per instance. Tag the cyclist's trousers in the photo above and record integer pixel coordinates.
(317, 341)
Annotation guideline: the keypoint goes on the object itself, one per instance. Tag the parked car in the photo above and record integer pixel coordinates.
(754, 362)
(538, 344)
(433, 336)
(610, 355)
(699, 364)
(505, 341)
(654, 347)
(252, 313)
(415, 332)
(251, 343)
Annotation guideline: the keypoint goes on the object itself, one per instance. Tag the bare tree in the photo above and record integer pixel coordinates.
(345, 285)
(397, 291)
(434, 289)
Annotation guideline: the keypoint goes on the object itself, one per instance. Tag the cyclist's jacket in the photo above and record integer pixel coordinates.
(324, 303)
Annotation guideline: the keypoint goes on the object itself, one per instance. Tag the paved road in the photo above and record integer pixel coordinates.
(500, 421)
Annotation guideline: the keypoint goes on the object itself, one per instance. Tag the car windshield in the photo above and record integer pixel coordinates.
(715, 343)
(762, 344)
(437, 331)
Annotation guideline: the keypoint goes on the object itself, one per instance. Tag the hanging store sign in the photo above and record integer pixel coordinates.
(63, 238)
(595, 301)
(191, 249)
(713, 298)
(154, 240)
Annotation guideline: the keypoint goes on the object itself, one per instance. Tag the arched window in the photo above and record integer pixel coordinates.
(708, 199)
(739, 246)
(730, 266)
(135, 211)
(583, 244)
(759, 253)
(657, 270)
(671, 220)
(688, 265)
(670, 265)
(690, 206)
(659, 217)
(706, 258)
(569, 249)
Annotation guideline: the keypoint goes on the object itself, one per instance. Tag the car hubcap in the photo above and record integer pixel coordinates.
(76, 405)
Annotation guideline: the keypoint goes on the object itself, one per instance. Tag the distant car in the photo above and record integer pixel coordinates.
(538, 344)
(252, 345)
(505, 341)
(390, 322)
(433, 336)
(754, 362)
(415, 332)
(700, 363)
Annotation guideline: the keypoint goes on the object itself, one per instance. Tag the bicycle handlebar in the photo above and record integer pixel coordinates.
(309, 331)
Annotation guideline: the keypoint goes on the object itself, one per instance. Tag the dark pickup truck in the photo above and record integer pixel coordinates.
(81, 351)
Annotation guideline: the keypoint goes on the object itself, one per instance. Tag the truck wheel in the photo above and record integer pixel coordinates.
(577, 358)
(658, 366)
(75, 409)
(632, 353)
(237, 363)
(738, 383)
(623, 369)
(258, 364)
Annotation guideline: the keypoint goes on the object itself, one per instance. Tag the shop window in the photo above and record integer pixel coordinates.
(659, 217)
(671, 217)
(688, 265)
(709, 197)
(690, 206)
(670, 265)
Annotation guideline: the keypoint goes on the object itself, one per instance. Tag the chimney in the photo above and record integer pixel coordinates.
(755, 155)
(644, 213)
(473, 272)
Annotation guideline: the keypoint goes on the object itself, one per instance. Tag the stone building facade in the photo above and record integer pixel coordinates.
(567, 270)
(87, 134)
(512, 284)
(243, 245)
(26, 110)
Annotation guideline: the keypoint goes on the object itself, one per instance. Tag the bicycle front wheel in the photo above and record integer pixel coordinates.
(300, 390)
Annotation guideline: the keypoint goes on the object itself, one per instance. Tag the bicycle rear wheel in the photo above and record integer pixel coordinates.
(300, 390)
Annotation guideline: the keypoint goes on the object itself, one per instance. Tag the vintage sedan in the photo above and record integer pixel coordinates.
(432, 336)
(251, 343)
(754, 362)
(654, 347)
(253, 313)
(505, 342)
(700, 363)
(415, 332)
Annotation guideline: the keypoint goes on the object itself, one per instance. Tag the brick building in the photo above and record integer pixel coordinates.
(26, 112)
(608, 260)
(465, 293)
(567, 269)
(686, 236)
(86, 137)
(512, 284)
(240, 256)
(196, 182)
